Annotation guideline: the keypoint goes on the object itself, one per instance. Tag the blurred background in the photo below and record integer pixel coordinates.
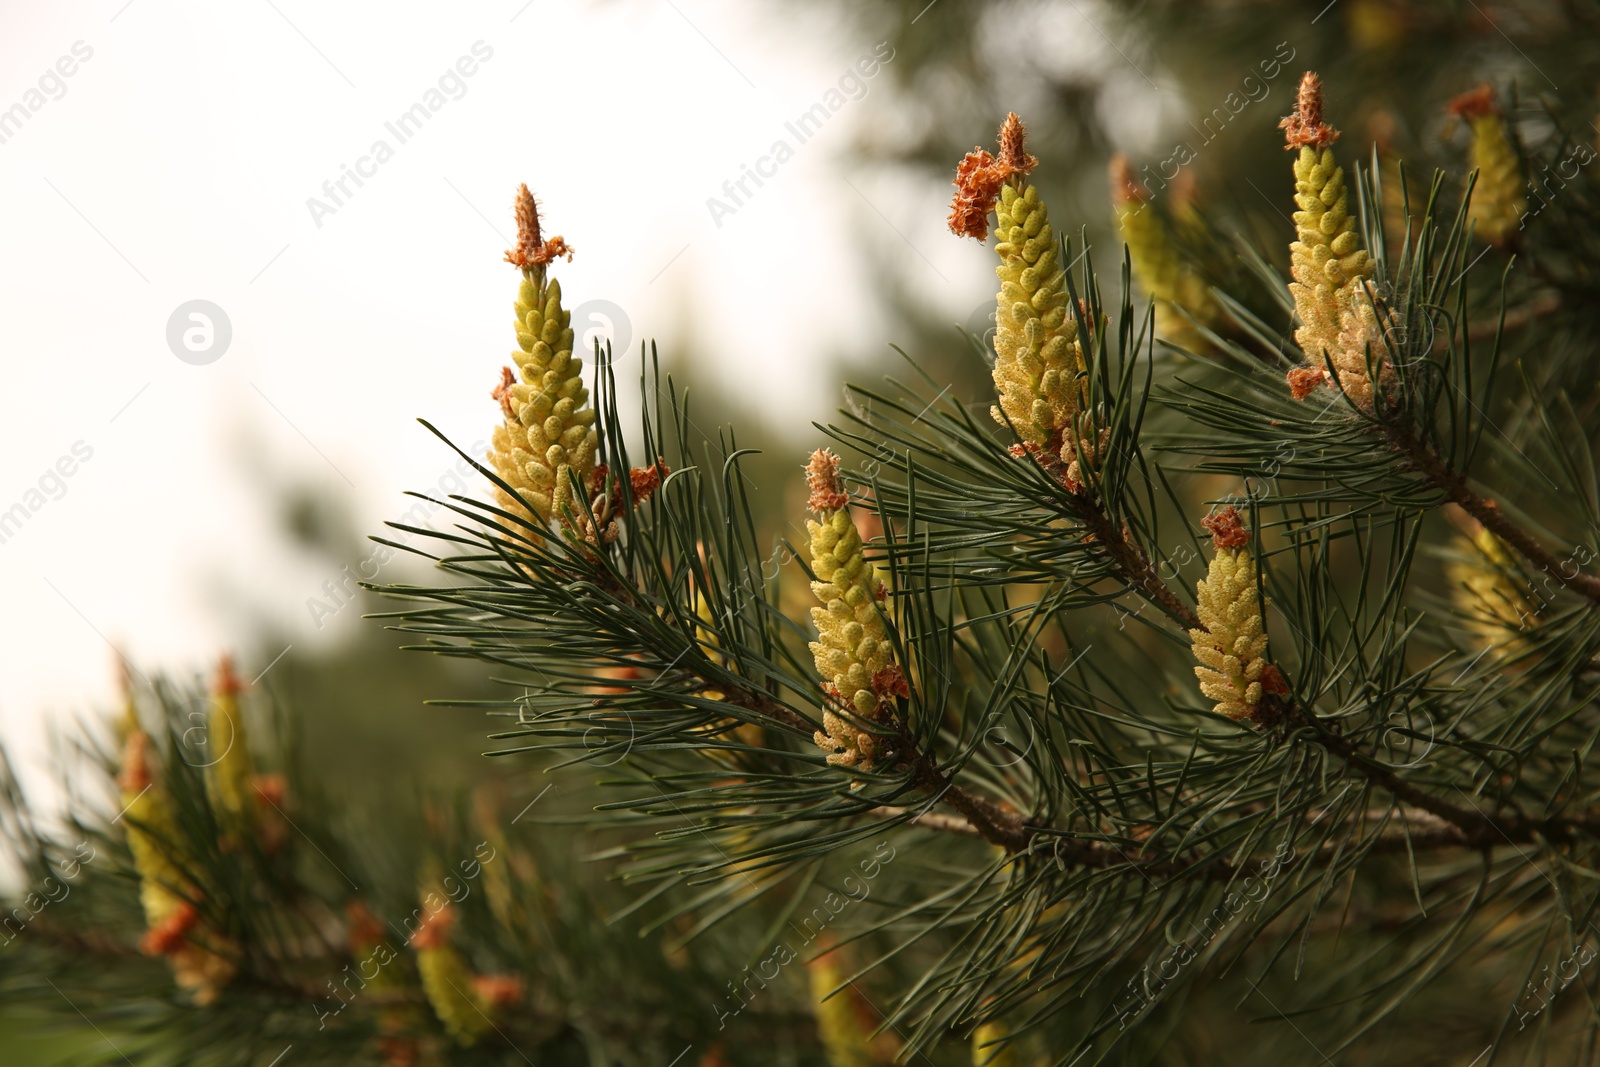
(328, 188)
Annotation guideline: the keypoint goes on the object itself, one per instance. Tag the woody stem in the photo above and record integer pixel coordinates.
(1470, 826)
(1134, 564)
(1454, 485)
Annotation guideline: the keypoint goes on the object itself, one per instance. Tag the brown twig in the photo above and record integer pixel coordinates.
(1004, 827)
(998, 825)
(1468, 826)
(1133, 563)
(983, 817)
(1450, 482)
(928, 820)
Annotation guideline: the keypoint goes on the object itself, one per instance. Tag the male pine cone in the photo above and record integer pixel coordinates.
(1498, 199)
(845, 1020)
(447, 981)
(1328, 264)
(1037, 355)
(174, 927)
(852, 650)
(1232, 643)
(230, 776)
(989, 1049)
(1035, 341)
(1158, 264)
(548, 433)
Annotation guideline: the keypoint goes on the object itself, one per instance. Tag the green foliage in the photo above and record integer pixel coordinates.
(305, 977)
(1414, 802)
(1062, 836)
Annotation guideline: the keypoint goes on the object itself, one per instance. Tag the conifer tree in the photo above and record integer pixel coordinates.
(1003, 763)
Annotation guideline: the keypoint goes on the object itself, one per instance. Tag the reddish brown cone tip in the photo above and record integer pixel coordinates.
(1014, 159)
(891, 682)
(1226, 528)
(502, 392)
(398, 1051)
(556, 246)
(979, 177)
(435, 929)
(270, 788)
(1125, 188)
(644, 481)
(527, 211)
(977, 184)
(167, 937)
(1273, 681)
(364, 929)
(498, 990)
(136, 776)
(822, 478)
(228, 682)
(1475, 103)
(532, 251)
(827, 945)
(1305, 125)
(1303, 381)
(715, 1057)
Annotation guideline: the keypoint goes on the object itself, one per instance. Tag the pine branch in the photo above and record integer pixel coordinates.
(928, 820)
(1134, 565)
(1129, 812)
(995, 824)
(1444, 478)
(1469, 827)
(1131, 562)
(984, 818)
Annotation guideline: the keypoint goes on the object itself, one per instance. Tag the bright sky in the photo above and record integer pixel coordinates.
(158, 152)
(333, 183)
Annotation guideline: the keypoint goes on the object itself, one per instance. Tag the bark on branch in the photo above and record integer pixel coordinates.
(1454, 485)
